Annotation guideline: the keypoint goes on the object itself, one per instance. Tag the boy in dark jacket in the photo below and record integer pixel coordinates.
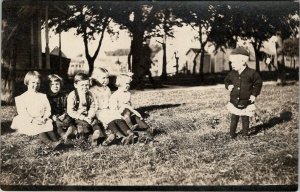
(244, 85)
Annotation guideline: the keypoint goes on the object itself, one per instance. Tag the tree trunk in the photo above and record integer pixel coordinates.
(91, 65)
(129, 58)
(137, 61)
(281, 80)
(164, 65)
(202, 54)
(195, 63)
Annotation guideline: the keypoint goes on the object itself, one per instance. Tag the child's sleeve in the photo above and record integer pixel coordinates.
(92, 110)
(257, 84)
(71, 102)
(227, 80)
(113, 102)
(65, 102)
(95, 100)
(47, 113)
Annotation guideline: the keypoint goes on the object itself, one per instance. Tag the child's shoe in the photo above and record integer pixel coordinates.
(95, 137)
(109, 140)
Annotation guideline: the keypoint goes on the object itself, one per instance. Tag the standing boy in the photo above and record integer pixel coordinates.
(244, 85)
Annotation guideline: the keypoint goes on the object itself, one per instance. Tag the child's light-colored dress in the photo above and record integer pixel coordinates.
(32, 105)
(103, 112)
(119, 99)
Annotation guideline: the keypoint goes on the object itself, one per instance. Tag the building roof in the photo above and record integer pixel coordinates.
(55, 51)
(195, 50)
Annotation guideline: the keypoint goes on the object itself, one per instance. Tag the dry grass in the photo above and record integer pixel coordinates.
(189, 149)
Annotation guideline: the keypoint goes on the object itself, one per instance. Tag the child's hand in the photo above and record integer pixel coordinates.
(88, 120)
(54, 118)
(230, 87)
(62, 117)
(252, 98)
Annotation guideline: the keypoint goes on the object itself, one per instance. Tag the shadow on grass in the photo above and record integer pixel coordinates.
(5, 127)
(283, 117)
(145, 109)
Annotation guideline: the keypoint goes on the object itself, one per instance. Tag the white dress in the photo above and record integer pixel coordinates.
(32, 105)
(119, 99)
(248, 111)
(103, 113)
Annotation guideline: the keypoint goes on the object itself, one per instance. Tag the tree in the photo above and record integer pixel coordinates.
(199, 15)
(164, 28)
(291, 47)
(136, 17)
(254, 21)
(88, 19)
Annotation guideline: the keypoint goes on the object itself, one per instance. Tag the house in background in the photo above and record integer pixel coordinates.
(21, 26)
(78, 64)
(193, 55)
(59, 63)
(115, 62)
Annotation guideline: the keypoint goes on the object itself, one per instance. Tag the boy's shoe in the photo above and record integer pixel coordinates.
(95, 137)
(109, 140)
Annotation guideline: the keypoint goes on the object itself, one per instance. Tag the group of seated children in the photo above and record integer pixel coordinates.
(89, 111)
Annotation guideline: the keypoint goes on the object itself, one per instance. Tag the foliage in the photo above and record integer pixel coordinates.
(88, 19)
(166, 20)
(137, 18)
(291, 46)
(202, 17)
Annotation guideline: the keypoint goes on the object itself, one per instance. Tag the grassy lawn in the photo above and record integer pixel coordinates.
(192, 146)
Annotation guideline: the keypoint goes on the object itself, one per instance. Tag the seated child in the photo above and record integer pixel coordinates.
(34, 112)
(244, 85)
(120, 101)
(81, 107)
(111, 119)
(64, 124)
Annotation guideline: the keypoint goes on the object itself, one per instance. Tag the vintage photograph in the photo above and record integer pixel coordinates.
(149, 95)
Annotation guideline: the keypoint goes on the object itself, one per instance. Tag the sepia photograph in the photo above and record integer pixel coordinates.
(149, 95)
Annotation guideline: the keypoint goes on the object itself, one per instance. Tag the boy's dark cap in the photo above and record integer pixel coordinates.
(240, 51)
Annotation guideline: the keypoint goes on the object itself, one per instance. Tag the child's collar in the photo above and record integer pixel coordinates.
(242, 69)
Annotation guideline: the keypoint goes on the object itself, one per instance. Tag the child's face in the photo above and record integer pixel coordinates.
(102, 78)
(125, 85)
(34, 84)
(55, 86)
(238, 61)
(82, 86)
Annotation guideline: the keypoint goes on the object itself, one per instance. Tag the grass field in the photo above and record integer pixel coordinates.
(192, 146)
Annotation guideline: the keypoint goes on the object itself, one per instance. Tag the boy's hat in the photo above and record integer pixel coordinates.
(240, 51)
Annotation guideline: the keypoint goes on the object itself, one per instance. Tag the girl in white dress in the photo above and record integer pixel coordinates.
(120, 101)
(110, 118)
(34, 111)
